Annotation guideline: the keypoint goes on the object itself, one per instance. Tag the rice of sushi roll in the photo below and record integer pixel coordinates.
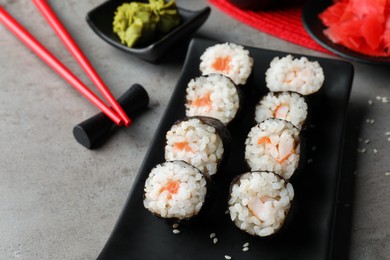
(200, 141)
(293, 74)
(175, 190)
(228, 59)
(273, 145)
(289, 106)
(259, 202)
(213, 95)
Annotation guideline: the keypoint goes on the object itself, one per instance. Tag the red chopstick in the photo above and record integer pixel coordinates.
(22, 34)
(68, 41)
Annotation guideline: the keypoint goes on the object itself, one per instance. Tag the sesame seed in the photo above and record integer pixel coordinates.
(370, 102)
(245, 245)
(375, 150)
(212, 235)
(245, 249)
(176, 231)
(387, 133)
(310, 160)
(378, 97)
(226, 212)
(175, 225)
(367, 120)
(215, 240)
(228, 257)
(387, 173)
(388, 139)
(361, 150)
(367, 141)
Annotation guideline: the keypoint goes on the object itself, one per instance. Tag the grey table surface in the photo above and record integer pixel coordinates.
(60, 200)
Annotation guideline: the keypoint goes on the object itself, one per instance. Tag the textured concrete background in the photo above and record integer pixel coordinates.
(61, 201)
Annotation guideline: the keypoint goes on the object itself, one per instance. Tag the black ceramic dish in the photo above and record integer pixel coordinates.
(315, 28)
(140, 235)
(100, 20)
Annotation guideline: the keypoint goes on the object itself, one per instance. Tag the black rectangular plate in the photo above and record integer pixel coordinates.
(309, 235)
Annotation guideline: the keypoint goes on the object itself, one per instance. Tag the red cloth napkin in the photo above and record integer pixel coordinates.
(284, 23)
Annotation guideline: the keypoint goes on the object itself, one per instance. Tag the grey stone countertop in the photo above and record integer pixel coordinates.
(60, 200)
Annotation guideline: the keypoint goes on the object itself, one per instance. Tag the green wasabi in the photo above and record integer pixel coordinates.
(136, 23)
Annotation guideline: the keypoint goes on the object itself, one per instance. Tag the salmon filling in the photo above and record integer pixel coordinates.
(182, 146)
(172, 187)
(222, 63)
(204, 101)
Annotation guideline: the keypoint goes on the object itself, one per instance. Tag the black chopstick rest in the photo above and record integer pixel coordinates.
(89, 132)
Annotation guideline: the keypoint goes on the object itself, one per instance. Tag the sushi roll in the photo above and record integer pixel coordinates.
(200, 141)
(292, 74)
(213, 95)
(175, 191)
(228, 59)
(259, 202)
(289, 106)
(273, 145)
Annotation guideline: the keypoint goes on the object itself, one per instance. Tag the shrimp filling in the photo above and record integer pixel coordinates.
(280, 151)
(294, 74)
(288, 106)
(281, 111)
(273, 145)
(259, 202)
